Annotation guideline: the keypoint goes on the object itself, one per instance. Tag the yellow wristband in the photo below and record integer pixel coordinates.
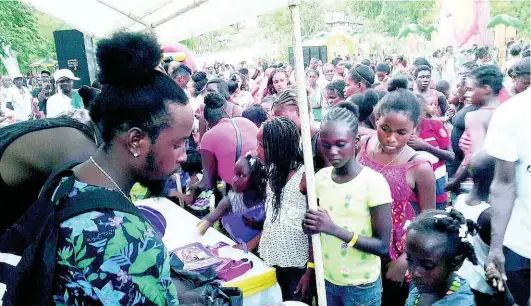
(353, 241)
(310, 265)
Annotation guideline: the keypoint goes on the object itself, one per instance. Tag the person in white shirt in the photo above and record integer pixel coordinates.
(66, 98)
(21, 99)
(509, 142)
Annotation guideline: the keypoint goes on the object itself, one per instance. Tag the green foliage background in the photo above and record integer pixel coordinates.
(30, 33)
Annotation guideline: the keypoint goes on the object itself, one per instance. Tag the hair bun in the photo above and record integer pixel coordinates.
(351, 107)
(214, 100)
(126, 58)
(396, 83)
(199, 76)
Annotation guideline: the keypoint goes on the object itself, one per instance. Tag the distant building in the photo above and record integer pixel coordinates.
(343, 21)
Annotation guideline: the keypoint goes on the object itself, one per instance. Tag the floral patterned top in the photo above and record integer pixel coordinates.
(111, 258)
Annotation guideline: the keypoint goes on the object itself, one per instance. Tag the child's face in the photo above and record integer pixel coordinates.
(382, 76)
(394, 130)
(267, 107)
(430, 108)
(290, 111)
(260, 153)
(332, 97)
(242, 175)
(338, 143)
(428, 260)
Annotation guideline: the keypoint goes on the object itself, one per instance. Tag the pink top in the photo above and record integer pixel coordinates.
(401, 209)
(221, 141)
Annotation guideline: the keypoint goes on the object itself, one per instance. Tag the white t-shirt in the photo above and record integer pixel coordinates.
(57, 104)
(508, 139)
(474, 274)
(21, 99)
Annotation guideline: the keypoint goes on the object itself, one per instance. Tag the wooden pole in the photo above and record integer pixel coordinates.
(307, 146)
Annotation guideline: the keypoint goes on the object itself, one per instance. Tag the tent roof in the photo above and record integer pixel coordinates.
(100, 18)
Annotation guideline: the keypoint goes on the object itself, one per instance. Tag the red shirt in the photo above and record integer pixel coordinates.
(434, 133)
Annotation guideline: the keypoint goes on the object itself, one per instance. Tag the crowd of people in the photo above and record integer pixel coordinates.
(422, 171)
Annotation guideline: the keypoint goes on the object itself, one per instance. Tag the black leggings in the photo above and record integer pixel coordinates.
(393, 293)
(288, 279)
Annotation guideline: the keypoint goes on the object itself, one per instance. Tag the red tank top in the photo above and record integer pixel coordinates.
(401, 209)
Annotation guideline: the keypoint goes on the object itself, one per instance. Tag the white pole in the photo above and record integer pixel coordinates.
(307, 146)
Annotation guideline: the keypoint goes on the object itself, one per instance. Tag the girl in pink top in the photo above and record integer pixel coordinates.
(398, 115)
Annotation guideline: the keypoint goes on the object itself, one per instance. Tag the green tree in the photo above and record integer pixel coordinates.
(515, 8)
(390, 16)
(19, 36)
(277, 25)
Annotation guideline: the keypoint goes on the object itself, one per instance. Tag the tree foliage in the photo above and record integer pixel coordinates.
(389, 17)
(277, 25)
(29, 33)
(515, 8)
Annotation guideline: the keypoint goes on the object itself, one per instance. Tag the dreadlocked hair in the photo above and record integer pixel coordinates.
(345, 112)
(258, 176)
(282, 155)
(453, 224)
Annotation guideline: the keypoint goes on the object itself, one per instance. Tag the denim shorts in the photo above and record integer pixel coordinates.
(361, 295)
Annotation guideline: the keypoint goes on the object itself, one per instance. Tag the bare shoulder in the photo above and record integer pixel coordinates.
(422, 170)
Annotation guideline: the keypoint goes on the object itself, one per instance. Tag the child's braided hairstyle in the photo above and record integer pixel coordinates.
(452, 223)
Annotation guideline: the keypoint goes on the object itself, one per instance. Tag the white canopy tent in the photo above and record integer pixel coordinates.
(175, 20)
(172, 20)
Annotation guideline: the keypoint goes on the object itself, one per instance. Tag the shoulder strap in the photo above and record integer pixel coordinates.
(61, 171)
(230, 110)
(238, 140)
(96, 200)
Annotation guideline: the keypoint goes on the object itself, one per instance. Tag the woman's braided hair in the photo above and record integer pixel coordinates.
(282, 155)
(452, 223)
(288, 97)
(345, 112)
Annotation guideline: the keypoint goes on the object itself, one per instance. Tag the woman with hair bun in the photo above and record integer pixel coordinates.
(219, 145)
(108, 256)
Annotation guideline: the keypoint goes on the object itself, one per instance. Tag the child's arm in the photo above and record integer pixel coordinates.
(214, 215)
(320, 222)
(420, 144)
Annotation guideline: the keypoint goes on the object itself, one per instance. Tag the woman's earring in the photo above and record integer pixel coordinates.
(136, 154)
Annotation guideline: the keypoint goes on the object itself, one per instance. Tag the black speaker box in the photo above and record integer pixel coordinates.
(318, 52)
(75, 51)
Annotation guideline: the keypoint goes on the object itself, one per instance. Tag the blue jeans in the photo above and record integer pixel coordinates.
(361, 295)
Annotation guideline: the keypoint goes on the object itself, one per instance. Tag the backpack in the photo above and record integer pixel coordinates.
(28, 249)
